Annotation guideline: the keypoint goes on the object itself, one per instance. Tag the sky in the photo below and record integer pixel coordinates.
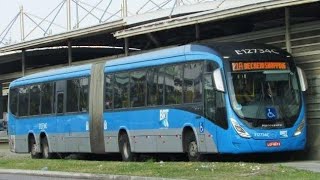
(41, 8)
(10, 8)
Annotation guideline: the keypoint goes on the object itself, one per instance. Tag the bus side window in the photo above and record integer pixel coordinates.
(60, 88)
(14, 101)
(47, 96)
(60, 98)
(73, 87)
(173, 84)
(155, 87)
(192, 92)
(35, 100)
(84, 94)
(209, 97)
(109, 91)
(121, 90)
(137, 88)
(23, 101)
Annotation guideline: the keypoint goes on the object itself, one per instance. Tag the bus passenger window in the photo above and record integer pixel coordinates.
(155, 82)
(72, 95)
(23, 101)
(173, 82)
(209, 97)
(60, 98)
(47, 98)
(14, 101)
(192, 82)
(109, 92)
(137, 88)
(121, 90)
(84, 94)
(35, 100)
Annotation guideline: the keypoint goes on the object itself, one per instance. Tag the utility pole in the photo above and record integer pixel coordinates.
(21, 23)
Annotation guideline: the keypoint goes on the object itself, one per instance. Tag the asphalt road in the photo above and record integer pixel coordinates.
(31, 177)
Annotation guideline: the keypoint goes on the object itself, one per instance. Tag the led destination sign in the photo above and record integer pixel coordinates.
(249, 66)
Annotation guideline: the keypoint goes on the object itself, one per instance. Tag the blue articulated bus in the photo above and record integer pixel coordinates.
(195, 99)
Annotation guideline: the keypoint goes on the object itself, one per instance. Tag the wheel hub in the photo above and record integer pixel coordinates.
(193, 149)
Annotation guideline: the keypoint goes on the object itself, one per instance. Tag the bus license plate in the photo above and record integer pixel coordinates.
(273, 143)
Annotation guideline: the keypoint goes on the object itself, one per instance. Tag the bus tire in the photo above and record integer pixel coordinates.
(125, 148)
(192, 148)
(45, 149)
(33, 149)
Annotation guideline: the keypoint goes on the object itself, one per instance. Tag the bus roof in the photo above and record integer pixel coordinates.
(220, 49)
(83, 70)
(53, 74)
(157, 57)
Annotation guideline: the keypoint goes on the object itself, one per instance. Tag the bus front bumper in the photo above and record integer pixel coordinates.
(243, 145)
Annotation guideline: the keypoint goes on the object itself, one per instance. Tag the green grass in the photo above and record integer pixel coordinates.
(185, 170)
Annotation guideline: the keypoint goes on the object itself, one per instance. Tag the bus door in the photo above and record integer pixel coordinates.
(210, 108)
(63, 124)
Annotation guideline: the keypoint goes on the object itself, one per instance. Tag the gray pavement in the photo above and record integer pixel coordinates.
(304, 165)
(13, 174)
(29, 177)
(3, 136)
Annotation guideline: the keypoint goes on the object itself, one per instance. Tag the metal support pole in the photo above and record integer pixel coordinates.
(126, 46)
(21, 23)
(288, 37)
(1, 101)
(197, 32)
(77, 13)
(124, 8)
(69, 14)
(69, 53)
(23, 61)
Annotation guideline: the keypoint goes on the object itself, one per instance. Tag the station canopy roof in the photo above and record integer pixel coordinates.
(163, 28)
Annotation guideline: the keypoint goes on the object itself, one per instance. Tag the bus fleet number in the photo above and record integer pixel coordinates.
(256, 51)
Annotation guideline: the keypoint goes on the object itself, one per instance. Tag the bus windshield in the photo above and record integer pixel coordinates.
(265, 95)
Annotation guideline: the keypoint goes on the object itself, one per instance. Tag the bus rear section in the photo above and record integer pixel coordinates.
(48, 112)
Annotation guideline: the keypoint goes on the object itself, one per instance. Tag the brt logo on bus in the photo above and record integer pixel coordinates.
(164, 120)
(43, 126)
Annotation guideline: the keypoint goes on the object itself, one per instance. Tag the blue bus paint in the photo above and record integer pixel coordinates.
(157, 128)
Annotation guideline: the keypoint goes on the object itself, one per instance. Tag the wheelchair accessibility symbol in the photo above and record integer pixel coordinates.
(271, 113)
(201, 127)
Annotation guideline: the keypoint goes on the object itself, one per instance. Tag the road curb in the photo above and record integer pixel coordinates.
(75, 175)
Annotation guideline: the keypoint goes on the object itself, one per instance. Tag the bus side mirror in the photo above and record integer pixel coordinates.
(218, 80)
(302, 79)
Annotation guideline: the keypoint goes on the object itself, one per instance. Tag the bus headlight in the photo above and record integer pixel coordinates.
(239, 129)
(300, 128)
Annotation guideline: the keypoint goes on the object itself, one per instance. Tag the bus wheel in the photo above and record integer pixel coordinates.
(45, 149)
(125, 149)
(192, 148)
(33, 150)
